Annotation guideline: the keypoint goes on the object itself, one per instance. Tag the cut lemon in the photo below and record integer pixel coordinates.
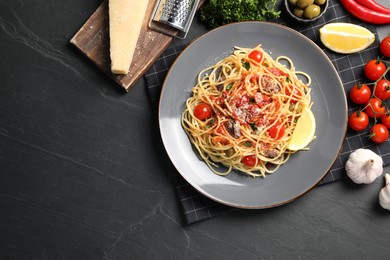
(304, 131)
(346, 37)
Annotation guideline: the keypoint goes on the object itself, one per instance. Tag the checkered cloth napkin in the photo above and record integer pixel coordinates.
(195, 206)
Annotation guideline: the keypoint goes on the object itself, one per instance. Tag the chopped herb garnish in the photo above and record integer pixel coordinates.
(210, 123)
(247, 144)
(252, 100)
(229, 86)
(253, 126)
(246, 65)
(288, 80)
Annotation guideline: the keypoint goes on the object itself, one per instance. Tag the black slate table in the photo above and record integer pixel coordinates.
(84, 174)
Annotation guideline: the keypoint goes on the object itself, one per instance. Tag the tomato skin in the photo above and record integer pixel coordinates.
(382, 89)
(379, 133)
(256, 55)
(375, 108)
(374, 69)
(250, 160)
(360, 94)
(384, 46)
(386, 119)
(273, 131)
(358, 120)
(203, 111)
(294, 93)
(277, 72)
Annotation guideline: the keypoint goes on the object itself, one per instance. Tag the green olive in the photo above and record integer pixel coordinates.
(298, 12)
(292, 2)
(304, 3)
(319, 2)
(311, 11)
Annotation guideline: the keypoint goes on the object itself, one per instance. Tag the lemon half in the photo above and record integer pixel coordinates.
(304, 131)
(346, 37)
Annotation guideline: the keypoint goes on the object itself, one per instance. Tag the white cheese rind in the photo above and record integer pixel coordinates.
(125, 22)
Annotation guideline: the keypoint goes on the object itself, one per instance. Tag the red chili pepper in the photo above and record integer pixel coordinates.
(371, 4)
(365, 14)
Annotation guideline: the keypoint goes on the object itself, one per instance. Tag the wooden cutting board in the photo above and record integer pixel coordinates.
(93, 40)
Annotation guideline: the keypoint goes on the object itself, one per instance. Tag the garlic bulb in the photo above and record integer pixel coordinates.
(364, 166)
(384, 194)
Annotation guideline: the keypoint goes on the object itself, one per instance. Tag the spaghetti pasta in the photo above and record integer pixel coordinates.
(243, 111)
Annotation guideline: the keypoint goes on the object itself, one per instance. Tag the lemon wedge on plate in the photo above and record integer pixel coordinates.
(304, 131)
(346, 37)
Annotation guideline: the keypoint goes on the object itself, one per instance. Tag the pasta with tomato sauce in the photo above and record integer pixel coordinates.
(243, 111)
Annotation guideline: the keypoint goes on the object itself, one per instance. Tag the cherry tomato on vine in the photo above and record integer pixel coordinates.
(360, 94)
(250, 160)
(255, 55)
(379, 133)
(358, 120)
(203, 111)
(385, 46)
(386, 119)
(382, 89)
(374, 69)
(375, 108)
(277, 131)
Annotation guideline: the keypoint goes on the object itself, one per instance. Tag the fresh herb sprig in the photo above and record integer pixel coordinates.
(219, 12)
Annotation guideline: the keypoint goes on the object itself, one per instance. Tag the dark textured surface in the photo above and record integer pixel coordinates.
(84, 174)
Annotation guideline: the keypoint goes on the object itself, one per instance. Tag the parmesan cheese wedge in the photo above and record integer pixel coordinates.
(125, 21)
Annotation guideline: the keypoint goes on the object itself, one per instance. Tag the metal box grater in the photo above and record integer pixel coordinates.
(173, 17)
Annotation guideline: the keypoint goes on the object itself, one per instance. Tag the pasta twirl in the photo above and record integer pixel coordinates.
(243, 111)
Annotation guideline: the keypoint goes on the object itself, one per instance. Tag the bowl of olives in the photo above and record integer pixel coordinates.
(306, 10)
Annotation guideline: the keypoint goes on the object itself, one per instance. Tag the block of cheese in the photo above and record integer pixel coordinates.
(125, 22)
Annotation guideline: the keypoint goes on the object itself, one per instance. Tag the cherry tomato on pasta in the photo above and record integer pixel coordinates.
(382, 89)
(294, 93)
(250, 160)
(277, 72)
(374, 69)
(255, 55)
(379, 133)
(203, 111)
(277, 131)
(386, 119)
(358, 120)
(375, 108)
(385, 46)
(360, 94)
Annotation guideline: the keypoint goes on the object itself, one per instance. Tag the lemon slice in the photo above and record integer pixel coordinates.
(346, 37)
(304, 131)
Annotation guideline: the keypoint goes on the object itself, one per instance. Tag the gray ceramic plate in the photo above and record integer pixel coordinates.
(304, 169)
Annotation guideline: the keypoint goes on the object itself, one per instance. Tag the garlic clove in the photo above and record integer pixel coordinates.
(384, 194)
(364, 166)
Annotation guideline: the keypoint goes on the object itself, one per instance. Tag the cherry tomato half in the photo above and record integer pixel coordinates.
(375, 108)
(255, 55)
(374, 69)
(379, 133)
(277, 131)
(277, 72)
(203, 111)
(386, 119)
(360, 94)
(382, 89)
(358, 121)
(385, 46)
(250, 160)
(294, 93)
